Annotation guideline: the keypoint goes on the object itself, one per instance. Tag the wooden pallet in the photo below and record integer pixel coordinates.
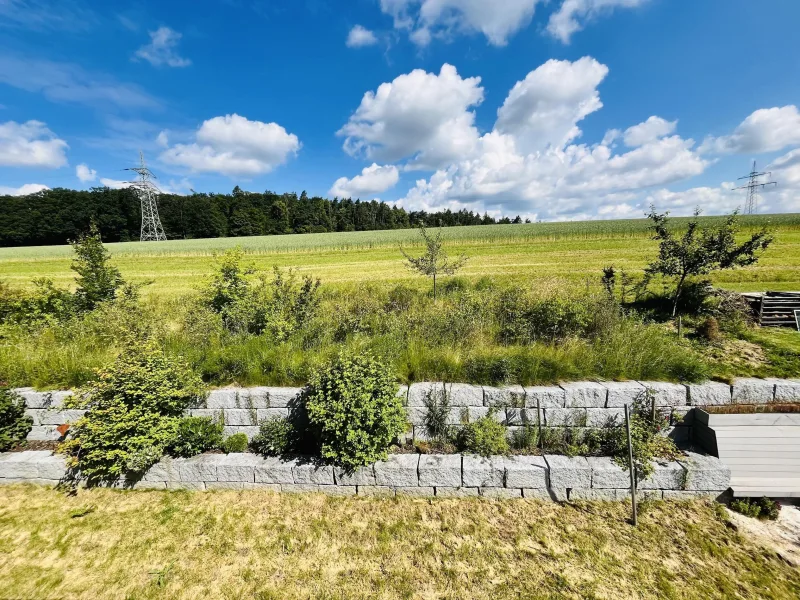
(777, 309)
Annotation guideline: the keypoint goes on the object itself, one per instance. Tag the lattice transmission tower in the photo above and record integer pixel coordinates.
(152, 231)
(753, 187)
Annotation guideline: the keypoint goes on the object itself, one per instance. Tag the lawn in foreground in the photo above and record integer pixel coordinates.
(254, 544)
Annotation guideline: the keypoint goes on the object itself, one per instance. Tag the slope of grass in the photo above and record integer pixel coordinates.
(253, 544)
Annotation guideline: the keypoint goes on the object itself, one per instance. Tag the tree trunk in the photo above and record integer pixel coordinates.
(678, 295)
(434, 286)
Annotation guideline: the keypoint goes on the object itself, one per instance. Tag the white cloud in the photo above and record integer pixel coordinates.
(162, 49)
(115, 184)
(419, 115)
(85, 174)
(64, 82)
(426, 19)
(233, 145)
(373, 180)
(765, 130)
(359, 37)
(25, 190)
(649, 131)
(47, 15)
(573, 15)
(163, 139)
(31, 144)
(543, 110)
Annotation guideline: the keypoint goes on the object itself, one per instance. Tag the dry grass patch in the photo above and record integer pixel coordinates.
(105, 543)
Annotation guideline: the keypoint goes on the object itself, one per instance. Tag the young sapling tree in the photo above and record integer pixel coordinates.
(434, 261)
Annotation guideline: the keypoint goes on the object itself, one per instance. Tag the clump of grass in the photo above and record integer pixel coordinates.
(758, 508)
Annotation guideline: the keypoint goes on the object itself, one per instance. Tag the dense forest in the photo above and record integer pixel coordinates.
(59, 215)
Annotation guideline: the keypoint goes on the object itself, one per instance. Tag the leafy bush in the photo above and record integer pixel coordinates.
(485, 437)
(14, 423)
(276, 437)
(196, 435)
(354, 410)
(135, 407)
(236, 443)
(758, 508)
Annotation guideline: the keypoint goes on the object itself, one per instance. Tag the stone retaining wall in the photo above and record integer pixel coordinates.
(548, 477)
(578, 404)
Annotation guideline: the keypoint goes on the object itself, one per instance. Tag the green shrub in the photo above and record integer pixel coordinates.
(196, 435)
(525, 319)
(354, 410)
(437, 415)
(96, 280)
(235, 443)
(14, 423)
(757, 508)
(276, 437)
(485, 437)
(134, 407)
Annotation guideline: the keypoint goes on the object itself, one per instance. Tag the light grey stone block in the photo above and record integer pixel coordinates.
(753, 391)
(338, 490)
(375, 490)
(440, 470)
(26, 481)
(511, 396)
(224, 398)
(787, 390)
(399, 470)
(301, 488)
(667, 475)
(705, 473)
(43, 433)
(548, 396)
(710, 393)
(418, 392)
(522, 416)
(19, 465)
(227, 485)
(313, 472)
(267, 414)
(59, 417)
(150, 485)
(50, 399)
(238, 467)
(164, 470)
(416, 415)
(594, 495)
(35, 414)
(241, 417)
(361, 476)
(606, 474)
(416, 492)
(267, 487)
(249, 431)
(197, 486)
(217, 415)
(605, 417)
(667, 394)
(456, 492)
(52, 467)
(584, 394)
(199, 468)
(254, 398)
(541, 494)
(470, 414)
(569, 471)
(621, 393)
(565, 417)
(463, 394)
(479, 471)
(687, 496)
(528, 472)
(500, 492)
(283, 397)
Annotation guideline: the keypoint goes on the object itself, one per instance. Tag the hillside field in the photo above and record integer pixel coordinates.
(570, 252)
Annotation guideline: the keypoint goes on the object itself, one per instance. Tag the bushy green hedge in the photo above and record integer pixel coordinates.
(196, 435)
(276, 437)
(354, 410)
(485, 436)
(235, 443)
(14, 423)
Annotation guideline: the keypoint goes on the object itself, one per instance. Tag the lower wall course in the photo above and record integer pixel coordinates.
(483, 472)
(498, 492)
(456, 492)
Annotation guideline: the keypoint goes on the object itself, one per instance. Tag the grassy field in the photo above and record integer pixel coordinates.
(111, 544)
(566, 252)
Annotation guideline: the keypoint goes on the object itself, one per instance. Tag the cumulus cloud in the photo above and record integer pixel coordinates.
(649, 131)
(573, 15)
(426, 19)
(235, 146)
(359, 37)
(31, 144)
(85, 174)
(163, 139)
(162, 49)
(24, 190)
(373, 180)
(419, 115)
(115, 184)
(765, 130)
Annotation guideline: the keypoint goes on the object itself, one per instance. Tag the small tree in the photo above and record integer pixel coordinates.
(435, 260)
(701, 250)
(97, 281)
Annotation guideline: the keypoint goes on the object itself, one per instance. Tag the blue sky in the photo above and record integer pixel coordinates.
(567, 109)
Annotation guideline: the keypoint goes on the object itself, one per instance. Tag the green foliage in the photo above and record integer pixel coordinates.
(525, 318)
(757, 508)
(135, 407)
(437, 415)
(14, 423)
(196, 435)
(44, 304)
(434, 261)
(485, 437)
(354, 410)
(236, 443)
(276, 437)
(96, 280)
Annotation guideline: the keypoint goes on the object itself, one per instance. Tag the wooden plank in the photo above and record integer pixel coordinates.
(754, 420)
(773, 460)
(757, 431)
(761, 452)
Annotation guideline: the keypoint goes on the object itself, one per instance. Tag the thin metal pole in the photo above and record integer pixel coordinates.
(632, 468)
(653, 415)
(680, 326)
(539, 419)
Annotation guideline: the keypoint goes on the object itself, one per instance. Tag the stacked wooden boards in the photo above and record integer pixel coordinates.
(761, 449)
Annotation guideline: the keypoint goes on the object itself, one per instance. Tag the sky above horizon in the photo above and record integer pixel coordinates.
(553, 110)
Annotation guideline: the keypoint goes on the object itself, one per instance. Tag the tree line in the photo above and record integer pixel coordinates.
(59, 215)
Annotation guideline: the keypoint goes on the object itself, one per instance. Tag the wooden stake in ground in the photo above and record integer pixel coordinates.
(539, 419)
(631, 467)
